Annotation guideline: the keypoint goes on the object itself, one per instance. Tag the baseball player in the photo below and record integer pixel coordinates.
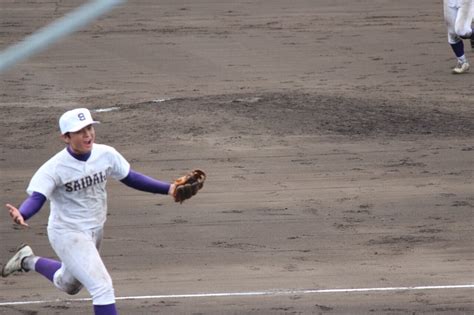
(458, 15)
(74, 180)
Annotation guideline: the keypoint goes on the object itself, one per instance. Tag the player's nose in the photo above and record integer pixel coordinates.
(87, 133)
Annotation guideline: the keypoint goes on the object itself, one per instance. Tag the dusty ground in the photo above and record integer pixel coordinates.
(337, 143)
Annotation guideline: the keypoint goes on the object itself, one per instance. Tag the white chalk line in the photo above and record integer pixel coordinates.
(252, 293)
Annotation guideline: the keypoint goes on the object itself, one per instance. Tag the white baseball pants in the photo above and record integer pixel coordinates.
(82, 264)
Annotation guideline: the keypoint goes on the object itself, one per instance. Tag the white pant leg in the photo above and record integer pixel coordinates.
(82, 264)
(463, 22)
(450, 16)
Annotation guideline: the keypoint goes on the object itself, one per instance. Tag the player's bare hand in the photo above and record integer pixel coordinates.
(16, 215)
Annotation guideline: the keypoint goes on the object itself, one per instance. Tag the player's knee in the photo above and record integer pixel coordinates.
(73, 289)
(463, 33)
(67, 284)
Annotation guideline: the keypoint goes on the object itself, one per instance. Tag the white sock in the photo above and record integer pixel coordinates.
(462, 59)
(29, 263)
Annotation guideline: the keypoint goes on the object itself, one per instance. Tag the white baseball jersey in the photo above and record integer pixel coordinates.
(458, 15)
(76, 188)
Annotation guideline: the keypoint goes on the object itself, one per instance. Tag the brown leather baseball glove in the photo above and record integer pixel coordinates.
(188, 185)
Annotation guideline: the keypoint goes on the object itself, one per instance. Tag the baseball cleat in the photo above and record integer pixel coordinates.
(461, 67)
(14, 264)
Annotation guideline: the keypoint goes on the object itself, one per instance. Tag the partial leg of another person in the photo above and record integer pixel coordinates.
(463, 26)
(455, 41)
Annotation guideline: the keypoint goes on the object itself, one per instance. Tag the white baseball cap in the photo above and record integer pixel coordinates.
(76, 119)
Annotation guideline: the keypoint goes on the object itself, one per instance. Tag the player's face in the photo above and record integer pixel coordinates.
(81, 141)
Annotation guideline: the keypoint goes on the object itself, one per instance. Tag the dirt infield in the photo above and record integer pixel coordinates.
(337, 144)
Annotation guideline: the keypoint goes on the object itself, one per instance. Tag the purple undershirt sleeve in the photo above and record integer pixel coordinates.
(32, 205)
(144, 183)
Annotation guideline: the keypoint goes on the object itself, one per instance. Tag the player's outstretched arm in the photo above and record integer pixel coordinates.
(181, 189)
(28, 208)
(142, 182)
(16, 215)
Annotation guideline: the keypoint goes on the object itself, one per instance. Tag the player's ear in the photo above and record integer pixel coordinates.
(66, 137)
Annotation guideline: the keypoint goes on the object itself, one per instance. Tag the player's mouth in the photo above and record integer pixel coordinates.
(88, 143)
